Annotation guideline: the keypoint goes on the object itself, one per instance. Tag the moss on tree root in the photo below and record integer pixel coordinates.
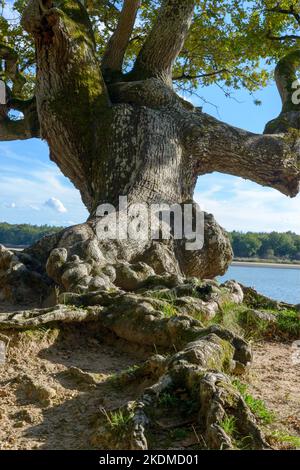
(204, 356)
(183, 319)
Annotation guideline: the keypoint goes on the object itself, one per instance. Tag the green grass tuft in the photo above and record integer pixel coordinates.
(167, 295)
(41, 332)
(229, 425)
(168, 310)
(229, 316)
(119, 422)
(289, 322)
(258, 407)
(282, 437)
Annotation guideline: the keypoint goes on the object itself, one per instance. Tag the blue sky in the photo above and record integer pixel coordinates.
(239, 204)
(33, 190)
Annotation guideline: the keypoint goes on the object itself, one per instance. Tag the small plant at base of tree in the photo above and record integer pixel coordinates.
(290, 441)
(229, 425)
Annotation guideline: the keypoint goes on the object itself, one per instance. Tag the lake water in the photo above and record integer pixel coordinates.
(278, 283)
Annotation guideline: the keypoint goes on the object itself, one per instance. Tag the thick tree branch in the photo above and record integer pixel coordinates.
(286, 37)
(286, 73)
(269, 160)
(165, 41)
(114, 55)
(72, 99)
(15, 130)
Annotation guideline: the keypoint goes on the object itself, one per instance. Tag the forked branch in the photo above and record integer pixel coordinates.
(212, 145)
(165, 41)
(115, 51)
(13, 128)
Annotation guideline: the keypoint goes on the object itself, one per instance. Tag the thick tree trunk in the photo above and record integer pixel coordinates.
(127, 140)
(106, 150)
(133, 136)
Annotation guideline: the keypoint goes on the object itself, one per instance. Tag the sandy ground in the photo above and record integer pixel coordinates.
(43, 405)
(265, 265)
(275, 378)
(60, 411)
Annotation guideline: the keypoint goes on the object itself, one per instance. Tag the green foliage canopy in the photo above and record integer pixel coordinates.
(233, 43)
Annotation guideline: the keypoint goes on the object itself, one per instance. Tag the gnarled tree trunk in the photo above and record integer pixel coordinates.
(114, 134)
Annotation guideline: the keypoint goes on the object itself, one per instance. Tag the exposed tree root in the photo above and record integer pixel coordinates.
(216, 399)
(199, 368)
(38, 317)
(204, 357)
(147, 305)
(254, 299)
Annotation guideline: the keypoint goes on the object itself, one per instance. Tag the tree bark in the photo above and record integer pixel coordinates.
(286, 76)
(113, 57)
(165, 41)
(137, 139)
(24, 128)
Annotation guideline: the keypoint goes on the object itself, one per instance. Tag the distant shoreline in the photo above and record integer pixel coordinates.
(265, 264)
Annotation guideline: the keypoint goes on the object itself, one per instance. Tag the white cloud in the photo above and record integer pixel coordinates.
(10, 205)
(186, 96)
(29, 178)
(56, 205)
